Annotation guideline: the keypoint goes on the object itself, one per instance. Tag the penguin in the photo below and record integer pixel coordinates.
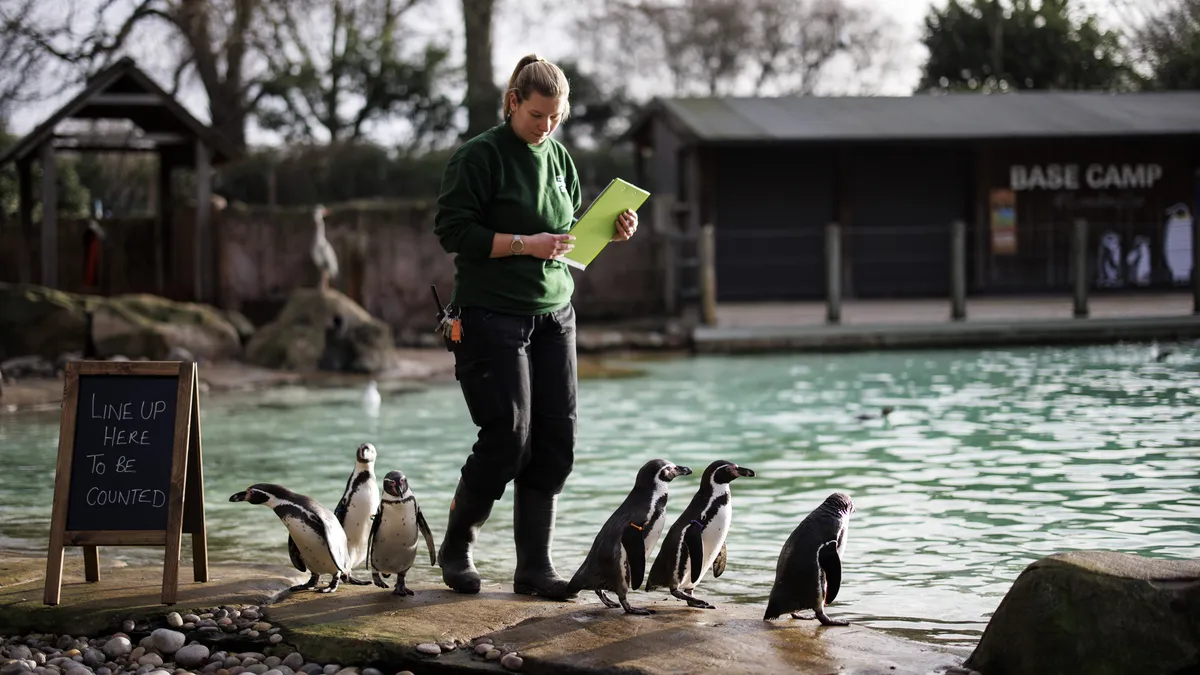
(809, 571)
(1177, 243)
(883, 414)
(392, 547)
(316, 540)
(359, 502)
(617, 560)
(1108, 261)
(1137, 261)
(696, 540)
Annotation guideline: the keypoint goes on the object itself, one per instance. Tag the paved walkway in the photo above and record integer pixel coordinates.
(866, 312)
(914, 324)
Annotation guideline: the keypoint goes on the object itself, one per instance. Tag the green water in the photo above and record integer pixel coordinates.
(992, 459)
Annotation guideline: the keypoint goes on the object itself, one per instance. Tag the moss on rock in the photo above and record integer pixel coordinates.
(1096, 612)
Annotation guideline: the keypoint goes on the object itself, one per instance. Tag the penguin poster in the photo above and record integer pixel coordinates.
(1108, 261)
(1137, 261)
(1177, 243)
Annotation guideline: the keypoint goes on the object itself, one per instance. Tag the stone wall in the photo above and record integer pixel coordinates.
(388, 257)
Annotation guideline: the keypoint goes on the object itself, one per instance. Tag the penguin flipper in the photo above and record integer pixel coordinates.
(831, 564)
(635, 554)
(719, 563)
(425, 532)
(294, 554)
(375, 521)
(693, 541)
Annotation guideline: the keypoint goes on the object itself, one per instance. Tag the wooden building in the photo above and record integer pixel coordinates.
(895, 172)
(161, 126)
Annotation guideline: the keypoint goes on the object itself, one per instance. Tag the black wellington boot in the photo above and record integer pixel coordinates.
(468, 513)
(533, 527)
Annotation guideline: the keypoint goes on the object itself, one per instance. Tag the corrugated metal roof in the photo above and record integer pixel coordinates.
(932, 117)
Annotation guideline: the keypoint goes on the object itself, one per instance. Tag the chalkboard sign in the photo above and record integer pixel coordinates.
(129, 467)
(124, 446)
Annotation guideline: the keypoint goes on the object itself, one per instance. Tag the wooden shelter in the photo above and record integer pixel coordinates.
(161, 126)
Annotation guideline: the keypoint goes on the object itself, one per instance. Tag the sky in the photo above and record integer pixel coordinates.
(522, 27)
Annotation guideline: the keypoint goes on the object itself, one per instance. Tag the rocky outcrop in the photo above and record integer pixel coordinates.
(38, 321)
(323, 331)
(1094, 613)
(159, 329)
(35, 320)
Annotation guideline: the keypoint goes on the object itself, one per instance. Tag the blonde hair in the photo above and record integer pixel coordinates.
(534, 74)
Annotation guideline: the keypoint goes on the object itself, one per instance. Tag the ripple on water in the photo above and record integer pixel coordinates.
(991, 460)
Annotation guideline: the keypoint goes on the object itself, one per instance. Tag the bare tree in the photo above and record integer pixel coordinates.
(483, 96)
(21, 58)
(727, 47)
(214, 38)
(336, 66)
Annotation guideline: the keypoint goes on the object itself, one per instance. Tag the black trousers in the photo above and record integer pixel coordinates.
(518, 376)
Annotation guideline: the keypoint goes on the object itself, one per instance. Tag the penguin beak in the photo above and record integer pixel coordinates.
(238, 497)
(743, 471)
(682, 471)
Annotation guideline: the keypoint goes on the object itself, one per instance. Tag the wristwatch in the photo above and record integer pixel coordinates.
(517, 246)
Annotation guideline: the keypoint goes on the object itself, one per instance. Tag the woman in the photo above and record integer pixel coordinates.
(508, 198)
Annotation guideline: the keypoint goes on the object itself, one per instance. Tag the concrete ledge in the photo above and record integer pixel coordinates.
(943, 335)
(368, 626)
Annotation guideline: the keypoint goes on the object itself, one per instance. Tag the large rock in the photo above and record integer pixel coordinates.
(326, 331)
(1096, 612)
(35, 320)
(157, 328)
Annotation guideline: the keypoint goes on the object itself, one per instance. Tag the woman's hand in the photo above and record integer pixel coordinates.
(627, 224)
(548, 246)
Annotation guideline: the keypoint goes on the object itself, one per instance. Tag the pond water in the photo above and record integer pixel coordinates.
(992, 459)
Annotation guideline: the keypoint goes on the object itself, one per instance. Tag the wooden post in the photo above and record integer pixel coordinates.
(1080, 267)
(25, 217)
(157, 211)
(1196, 252)
(833, 273)
(708, 274)
(162, 233)
(664, 226)
(272, 188)
(49, 217)
(958, 270)
(202, 256)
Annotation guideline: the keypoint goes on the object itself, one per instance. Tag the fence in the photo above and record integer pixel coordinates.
(949, 261)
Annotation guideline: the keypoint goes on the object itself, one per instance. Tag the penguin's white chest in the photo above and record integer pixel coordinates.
(315, 551)
(363, 504)
(714, 538)
(394, 547)
(657, 527)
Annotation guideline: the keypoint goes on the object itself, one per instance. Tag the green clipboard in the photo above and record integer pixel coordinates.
(596, 227)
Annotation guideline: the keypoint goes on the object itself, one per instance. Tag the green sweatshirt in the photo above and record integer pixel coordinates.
(496, 182)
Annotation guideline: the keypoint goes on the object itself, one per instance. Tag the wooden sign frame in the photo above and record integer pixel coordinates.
(185, 501)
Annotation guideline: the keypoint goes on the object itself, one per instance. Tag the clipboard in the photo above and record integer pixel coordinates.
(596, 227)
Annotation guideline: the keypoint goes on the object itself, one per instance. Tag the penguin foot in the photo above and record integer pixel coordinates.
(825, 620)
(640, 611)
(691, 600)
(378, 580)
(350, 578)
(608, 602)
(796, 615)
(311, 583)
(333, 585)
(401, 589)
